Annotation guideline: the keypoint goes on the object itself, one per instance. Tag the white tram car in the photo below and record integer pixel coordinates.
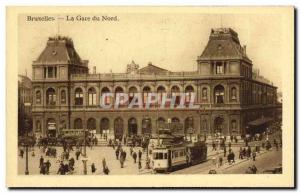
(176, 156)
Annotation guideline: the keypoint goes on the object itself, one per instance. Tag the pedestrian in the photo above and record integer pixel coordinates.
(122, 160)
(224, 151)
(61, 169)
(229, 145)
(117, 153)
(140, 155)
(77, 154)
(253, 156)
(103, 164)
(71, 164)
(93, 168)
(214, 146)
(220, 161)
(254, 169)
(131, 150)
(140, 164)
(33, 154)
(21, 153)
(249, 171)
(241, 153)
(43, 169)
(134, 157)
(249, 152)
(124, 154)
(106, 170)
(41, 161)
(47, 167)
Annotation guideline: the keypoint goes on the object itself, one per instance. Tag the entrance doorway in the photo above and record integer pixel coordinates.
(51, 127)
(132, 127)
(118, 127)
(218, 125)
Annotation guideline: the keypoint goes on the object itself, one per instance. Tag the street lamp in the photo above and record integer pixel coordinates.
(26, 143)
(84, 157)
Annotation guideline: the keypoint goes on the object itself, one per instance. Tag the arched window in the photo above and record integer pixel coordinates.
(146, 91)
(104, 125)
(38, 97)
(120, 90)
(132, 93)
(175, 120)
(78, 124)
(175, 92)
(189, 90)
(219, 94)
(107, 99)
(146, 126)
(160, 123)
(204, 94)
(78, 96)
(189, 125)
(132, 127)
(218, 125)
(51, 96)
(233, 93)
(160, 91)
(63, 97)
(118, 128)
(91, 124)
(92, 96)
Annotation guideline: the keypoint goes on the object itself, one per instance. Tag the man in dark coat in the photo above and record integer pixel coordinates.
(21, 153)
(41, 161)
(77, 154)
(134, 157)
(48, 165)
(140, 155)
(93, 168)
(117, 153)
(61, 169)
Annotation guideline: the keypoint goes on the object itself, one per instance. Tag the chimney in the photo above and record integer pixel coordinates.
(244, 48)
(94, 69)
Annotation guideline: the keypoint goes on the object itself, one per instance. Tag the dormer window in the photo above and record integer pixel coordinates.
(219, 68)
(54, 52)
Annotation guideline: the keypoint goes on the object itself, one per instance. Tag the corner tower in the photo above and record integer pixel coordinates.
(58, 60)
(224, 55)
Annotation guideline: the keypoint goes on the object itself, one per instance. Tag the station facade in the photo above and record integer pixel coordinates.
(231, 95)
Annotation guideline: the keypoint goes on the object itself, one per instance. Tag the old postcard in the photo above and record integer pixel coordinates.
(150, 97)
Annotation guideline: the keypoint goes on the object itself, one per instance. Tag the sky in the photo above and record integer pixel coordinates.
(171, 41)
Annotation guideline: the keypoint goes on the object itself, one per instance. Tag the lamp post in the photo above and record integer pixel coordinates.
(26, 126)
(84, 157)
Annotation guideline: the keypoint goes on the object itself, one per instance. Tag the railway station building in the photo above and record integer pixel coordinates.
(232, 98)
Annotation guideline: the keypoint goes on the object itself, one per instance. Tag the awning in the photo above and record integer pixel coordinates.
(260, 121)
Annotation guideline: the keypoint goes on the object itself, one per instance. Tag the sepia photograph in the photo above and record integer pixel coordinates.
(150, 96)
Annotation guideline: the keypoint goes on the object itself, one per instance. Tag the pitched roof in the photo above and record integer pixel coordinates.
(150, 69)
(59, 50)
(223, 44)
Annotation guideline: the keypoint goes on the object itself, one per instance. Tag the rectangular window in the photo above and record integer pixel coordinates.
(219, 68)
(50, 72)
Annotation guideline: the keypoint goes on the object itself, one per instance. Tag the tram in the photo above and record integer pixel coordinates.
(171, 157)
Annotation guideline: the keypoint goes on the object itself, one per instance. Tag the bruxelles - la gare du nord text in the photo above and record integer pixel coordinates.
(177, 100)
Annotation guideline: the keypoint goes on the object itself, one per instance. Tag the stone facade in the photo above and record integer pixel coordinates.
(228, 92)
